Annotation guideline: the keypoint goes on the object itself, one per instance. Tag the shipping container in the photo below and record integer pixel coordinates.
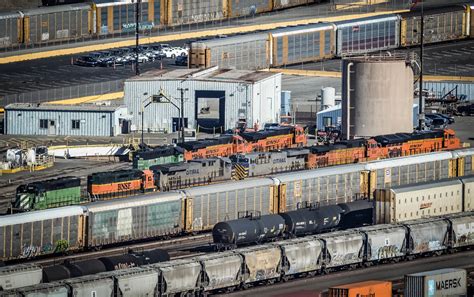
(249, 51)
(443, 24)
(136, 281)
(101, 284)
(407, 170)
(10, 29)
(239, 8)
(180, 276)
(117, 17)
(179, 12)
(302, 44)
(367, 35)
(18, 276)
(409, 202)
(326, 186)
(138, 217)
(367, 288)
(261, 263)
(221, 270)
(342, 248)
(208, 205)
(468, 193)
(427, 236)
(300, 255)
(462, 229)
(436, 283)
(384, 242)
(50, 231)
(57, 23)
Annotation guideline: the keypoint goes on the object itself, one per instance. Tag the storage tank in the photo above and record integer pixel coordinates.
(328, 97)
(378, 91)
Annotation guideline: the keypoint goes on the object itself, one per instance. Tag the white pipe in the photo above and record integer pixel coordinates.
(349, 65)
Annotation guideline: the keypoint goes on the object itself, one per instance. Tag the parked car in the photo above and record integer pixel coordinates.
(90, 60)
(437, 121)
(447, 117)
(173, 52)
(181, 61)
(465, 110)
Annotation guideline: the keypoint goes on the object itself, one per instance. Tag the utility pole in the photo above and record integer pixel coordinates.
(421, 103)
(137, 24)
(182, 90)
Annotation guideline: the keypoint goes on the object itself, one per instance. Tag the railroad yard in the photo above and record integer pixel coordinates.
(236, 148)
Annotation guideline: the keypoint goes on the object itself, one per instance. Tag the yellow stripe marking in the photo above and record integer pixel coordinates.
(86, 99)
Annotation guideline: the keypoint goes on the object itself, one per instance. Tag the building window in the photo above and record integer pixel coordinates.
(76, 124)
(43, 124)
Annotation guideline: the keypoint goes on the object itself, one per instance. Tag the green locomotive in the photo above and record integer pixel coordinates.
(159, 156)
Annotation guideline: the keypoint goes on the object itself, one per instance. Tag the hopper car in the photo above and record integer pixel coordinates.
(278, 261)
(156, 215)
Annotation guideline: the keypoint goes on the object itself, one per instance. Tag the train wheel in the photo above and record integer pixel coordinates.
(285, 278)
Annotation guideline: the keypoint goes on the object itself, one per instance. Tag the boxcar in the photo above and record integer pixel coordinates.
(367, 35)
(384, 242)
(57, 23)
(10, 29)
(325, 186)
(208, 205)
(116, 17)
(238, 8)
(302, 44)
(50, 231)
(444, 24)
(18, 276)
(179, 12)
(220, 270)
(134, 218)
(468, 193)
(427, 236)
(180, 276)
(464, 161)
(240, 52)
(279, 4)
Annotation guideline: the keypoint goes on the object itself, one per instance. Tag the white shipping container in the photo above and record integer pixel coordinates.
(437, 283)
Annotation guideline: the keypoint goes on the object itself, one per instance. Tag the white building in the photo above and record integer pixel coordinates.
(214, 98)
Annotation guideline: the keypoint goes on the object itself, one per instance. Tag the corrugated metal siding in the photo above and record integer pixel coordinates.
(195, 11)
(9, 29)
(279, 4)
(27, 122)
(249, 7)
(159, 116)
(443, 87)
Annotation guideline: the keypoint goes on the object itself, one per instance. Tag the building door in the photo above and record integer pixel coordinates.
(52, 127)
(177, 124)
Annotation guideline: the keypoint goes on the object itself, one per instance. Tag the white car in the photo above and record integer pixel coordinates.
(174, 52)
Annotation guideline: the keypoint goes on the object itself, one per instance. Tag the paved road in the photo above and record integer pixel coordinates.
(382, 272)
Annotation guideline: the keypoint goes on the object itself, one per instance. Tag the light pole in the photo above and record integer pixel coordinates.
(137, 25)
(162, 98)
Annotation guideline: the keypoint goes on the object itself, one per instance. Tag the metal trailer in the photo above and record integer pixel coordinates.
(57, 23)
(116, 17)
(11, 29)
(436, 283)
(220, 270)
(209, 205)
(440, 25)
(427, 236)
(392, 172)
(18, 276)
(416, 201)
(468, 193)
(300, 255)
(135, 282)
(179, 12)
(238, 8)
(342, 248)
(464, 161)
(280, 4)
(138, 217)
(192, 173)
(367, 35)
(180, 276)
(384, 242)
(325, 186)
(462, 229)
(261, 263)
(249, 51)
(302, 44)
(101, 284)
(32, 234)
(53, 289)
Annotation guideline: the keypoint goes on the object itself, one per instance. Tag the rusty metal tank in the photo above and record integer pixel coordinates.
(378, 93)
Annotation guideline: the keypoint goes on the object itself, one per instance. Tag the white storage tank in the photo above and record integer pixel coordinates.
(328, 97)
(377, 96)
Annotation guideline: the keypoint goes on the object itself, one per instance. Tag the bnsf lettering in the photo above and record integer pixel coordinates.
(448, 284)
(124, 186)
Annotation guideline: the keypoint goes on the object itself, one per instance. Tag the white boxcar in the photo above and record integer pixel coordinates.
(462, 229)
(468, 192)
(220, 270)
(425, 236)
(300, 255)
(342, 248)
(180, 276)
(384, 242)
(261, 263)
(18, 276)
(404, 203)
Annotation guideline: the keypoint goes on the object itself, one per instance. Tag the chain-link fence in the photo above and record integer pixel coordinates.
(64, 93)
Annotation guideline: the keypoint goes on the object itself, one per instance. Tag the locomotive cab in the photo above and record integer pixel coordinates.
(450, 141)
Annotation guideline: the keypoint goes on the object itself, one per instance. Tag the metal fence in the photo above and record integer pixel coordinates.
(64, 93)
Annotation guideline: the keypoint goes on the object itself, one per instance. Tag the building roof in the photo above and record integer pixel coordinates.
(62, 107)
(209, 74)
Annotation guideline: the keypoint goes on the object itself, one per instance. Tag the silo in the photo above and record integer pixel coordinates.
(378, 92)
(328, 97)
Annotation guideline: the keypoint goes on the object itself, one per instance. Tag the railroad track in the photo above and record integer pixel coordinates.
(177, 248)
